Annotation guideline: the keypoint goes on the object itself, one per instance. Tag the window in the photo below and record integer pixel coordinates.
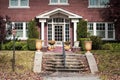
(98, 3)
(21, 30)
(104, 30)
(58, 2)
(18, 3)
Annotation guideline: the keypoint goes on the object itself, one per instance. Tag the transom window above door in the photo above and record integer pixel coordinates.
(18, 3)
(58, 2)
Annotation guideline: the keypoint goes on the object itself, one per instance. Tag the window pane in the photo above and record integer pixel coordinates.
(103, 2)
(63, 1)
(100, 30)
(24, 3)
(14, 2)
(110, 30)
(93, 2)
(90, 28)
(54, 1)
(19, 29)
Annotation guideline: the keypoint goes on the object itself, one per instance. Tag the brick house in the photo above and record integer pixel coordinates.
(58, 18)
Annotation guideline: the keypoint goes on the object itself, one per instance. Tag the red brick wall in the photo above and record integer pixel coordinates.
(37, 7)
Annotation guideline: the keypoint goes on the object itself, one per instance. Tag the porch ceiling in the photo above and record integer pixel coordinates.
(58, 10)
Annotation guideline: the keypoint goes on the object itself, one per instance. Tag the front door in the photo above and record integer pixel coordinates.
(58, 30)
(59, 36)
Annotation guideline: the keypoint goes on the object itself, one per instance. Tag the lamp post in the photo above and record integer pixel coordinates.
(13, 60)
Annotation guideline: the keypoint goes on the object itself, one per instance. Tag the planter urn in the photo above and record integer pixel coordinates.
(38, 45)
(88, 45)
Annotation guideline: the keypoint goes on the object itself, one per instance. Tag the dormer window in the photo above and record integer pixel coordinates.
(98, 3)
(58, 2)
(18, 3)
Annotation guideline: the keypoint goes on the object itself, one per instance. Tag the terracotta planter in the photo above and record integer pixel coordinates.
(51, 43)
(67, 47)
(38, 45)
(88, 45)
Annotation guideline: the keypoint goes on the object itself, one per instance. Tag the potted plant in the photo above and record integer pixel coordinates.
(88, 45)
(38, 44)
(67, 45)
(51, 42)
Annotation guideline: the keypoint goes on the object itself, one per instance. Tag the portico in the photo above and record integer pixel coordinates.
(59, 25)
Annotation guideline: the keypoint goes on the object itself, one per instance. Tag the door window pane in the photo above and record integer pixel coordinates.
(49, 31)
(67, 32)
(58, 33)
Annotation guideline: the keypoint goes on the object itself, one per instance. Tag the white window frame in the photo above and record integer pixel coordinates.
(18, 6)
(24, 30)
(96, 6)
(58, 3)
(106, 30)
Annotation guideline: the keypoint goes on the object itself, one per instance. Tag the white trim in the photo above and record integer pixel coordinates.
(106, 30)
(59, 10)
(58, 3)
(24, 37)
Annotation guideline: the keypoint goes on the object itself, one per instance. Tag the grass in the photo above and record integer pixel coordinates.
(23, 61)
(108, 63)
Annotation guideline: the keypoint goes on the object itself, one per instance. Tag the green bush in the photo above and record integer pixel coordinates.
(19, 45)
(8, 45)
(32, 30)
(96, 42)
(31, 44)
(82, 29)
(107, 46)
(116, 46)
(82, 42)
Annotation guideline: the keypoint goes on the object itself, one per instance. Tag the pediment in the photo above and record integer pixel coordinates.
(58, 11)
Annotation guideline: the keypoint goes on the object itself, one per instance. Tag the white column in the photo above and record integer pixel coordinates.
(75, 28)
(24, 30)
(106, 31)
(42, 29)
(94, 29)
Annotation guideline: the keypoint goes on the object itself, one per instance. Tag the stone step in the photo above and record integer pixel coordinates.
(66, 69)
(68, 66)
(53, 63)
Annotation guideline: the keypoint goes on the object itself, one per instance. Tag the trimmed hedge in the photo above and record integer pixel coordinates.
(19, 45)
(111, 46)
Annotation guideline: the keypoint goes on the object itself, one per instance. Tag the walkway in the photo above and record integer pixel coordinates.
(71, 76)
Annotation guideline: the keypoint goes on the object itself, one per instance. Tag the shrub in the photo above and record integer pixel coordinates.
(107, 46)
(82, 29)
(82, 42)
(116, 46)
(31, 44)
(8, 45)
(32, 30)
(18, 45)
(96, 42)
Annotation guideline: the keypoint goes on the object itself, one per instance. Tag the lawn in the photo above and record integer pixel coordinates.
(108, 62)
